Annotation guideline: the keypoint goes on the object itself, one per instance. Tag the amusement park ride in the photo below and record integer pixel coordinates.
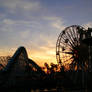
(73, 48)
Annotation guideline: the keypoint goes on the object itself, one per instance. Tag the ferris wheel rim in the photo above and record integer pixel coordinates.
(60, 37)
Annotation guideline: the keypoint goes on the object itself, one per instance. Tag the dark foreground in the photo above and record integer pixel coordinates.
(56, 83)
(44, 90)
(19, 76)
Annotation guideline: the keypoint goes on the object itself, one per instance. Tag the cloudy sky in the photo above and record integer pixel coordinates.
(36, 24)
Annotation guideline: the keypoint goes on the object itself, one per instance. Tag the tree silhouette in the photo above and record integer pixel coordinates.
(47, 67)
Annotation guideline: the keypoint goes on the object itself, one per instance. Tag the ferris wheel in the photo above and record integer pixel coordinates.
(70, 50)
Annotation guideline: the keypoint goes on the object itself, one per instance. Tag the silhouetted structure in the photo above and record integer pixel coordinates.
(71, 50)
(20, 70)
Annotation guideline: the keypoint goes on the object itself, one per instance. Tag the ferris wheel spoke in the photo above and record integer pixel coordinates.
(69, 42)
(68, 60)
(75, 33)
(65, 48)
(78, 36)
(72, 34)
(68, 45)
(68, 52)
(71, 38)
(63, 45)
(66, 56)
(76, 39)
(72, 63)
(75, 36)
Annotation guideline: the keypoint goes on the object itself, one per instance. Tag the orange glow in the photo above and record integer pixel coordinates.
(41, 56)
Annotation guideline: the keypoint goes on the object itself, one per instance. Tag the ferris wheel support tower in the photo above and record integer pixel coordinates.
(87, 39)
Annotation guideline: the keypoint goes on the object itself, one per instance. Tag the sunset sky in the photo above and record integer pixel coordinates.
(36, 24)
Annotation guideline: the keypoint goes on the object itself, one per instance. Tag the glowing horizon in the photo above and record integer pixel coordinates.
(40, 57)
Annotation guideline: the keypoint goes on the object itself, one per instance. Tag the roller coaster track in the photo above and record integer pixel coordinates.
(18, 66)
